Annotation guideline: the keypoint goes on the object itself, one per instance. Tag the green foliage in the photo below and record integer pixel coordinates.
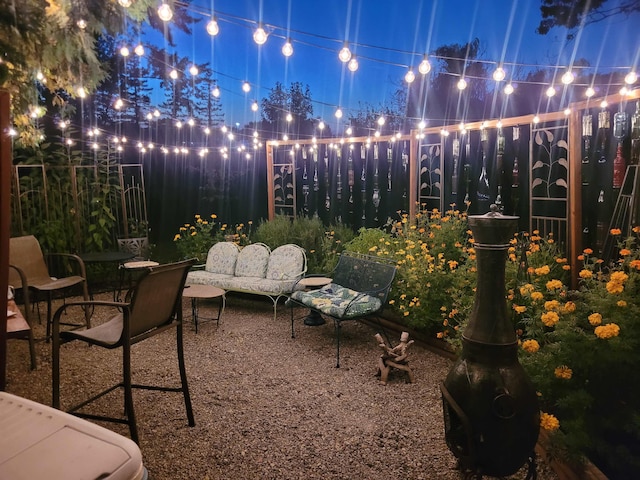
(322, 245)
(194, 241)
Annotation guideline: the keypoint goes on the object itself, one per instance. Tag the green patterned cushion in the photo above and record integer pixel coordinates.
(339, 302)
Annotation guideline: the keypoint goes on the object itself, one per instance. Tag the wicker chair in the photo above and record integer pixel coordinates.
(156, 305)
(28, 262)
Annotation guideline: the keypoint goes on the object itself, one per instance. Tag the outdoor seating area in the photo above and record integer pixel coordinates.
(264, 405)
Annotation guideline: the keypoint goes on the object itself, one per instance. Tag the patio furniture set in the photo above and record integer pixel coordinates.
(358, 288)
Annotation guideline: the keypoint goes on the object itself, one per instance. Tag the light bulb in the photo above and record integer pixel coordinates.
(215, 92)
(287, 48)
(425, 66)
(568, 77)
(381, 120)
(246, 87)
(422, 124)
(410, 76)
(254, 106)
(260, 36)
(82, 93)
(349, 131)
(212, 27)
(125, 3)
(551, 91)
(289, 117)
(345, 53)
(353, 64)
(193, 70)
(338, 113)
(508, 89)
(499, 74)
(604, 104)
(124, 51)
(139, 50)
(321, 125)
(173, 74)
(82, 24)
(590, 92)
(462, 84)
(165, 13)
(536, 119)
(631, 78)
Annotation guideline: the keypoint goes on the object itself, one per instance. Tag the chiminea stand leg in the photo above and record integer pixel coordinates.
(532, 471)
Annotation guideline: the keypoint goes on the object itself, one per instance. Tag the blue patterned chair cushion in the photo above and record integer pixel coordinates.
(252, 261)
(339, 302)
(222, 258)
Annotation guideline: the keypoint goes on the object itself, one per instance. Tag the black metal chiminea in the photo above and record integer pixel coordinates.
(491, 411)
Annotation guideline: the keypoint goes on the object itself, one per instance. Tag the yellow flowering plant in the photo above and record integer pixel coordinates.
(195, 240)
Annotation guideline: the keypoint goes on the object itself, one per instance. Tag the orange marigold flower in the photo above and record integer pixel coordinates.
(549, 422)
(607, 331)
(566, 267)
(621, 303)
(624, 252)
(519, 308)
(563, 372)
(536, 296)
(614, 288)
(619, 277)
(544, 270)
(531, 346)
(569, 307)
(584, 273)
(615, 231)
(636, 229)
(587, 251)
(595, 319)
(554, 285)
(550, 305)
(581, 257)
(550, 318)
(635, 264)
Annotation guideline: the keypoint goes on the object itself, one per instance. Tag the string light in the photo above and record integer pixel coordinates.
(82, 24)
(321, 125)
(212, 27)
(349, 131)
(425, 65)
(254, 106)
(381, 120)
(590, 92)
(499, 74)
(173, 74)
(125, 3)
(139, 50)
(124, 51)
(287, 48)
(631, 78)
(260, 36)
(345, 53)
(246, 87)
(193, 70)
(508, 89)
(82, 93)
(338, 113)
(568, 77)
(353, 64)
(215, 92)
(462, 84)
(551, 91)
(409, 76)
(165, 13)
(289, 117)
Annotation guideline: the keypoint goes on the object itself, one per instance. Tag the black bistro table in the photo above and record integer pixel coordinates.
(112, 259)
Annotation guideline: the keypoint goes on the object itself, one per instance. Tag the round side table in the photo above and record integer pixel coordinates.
(194, 292)
(314, 319)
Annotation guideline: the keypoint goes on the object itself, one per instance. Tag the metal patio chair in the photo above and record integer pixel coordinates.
(28, 262)
(156, 306)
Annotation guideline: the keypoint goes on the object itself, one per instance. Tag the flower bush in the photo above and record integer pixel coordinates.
(580, 347)
(194, 241)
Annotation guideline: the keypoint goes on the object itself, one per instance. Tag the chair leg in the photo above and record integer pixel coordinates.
(49, 302)
(183, 375)
(128, 392)
(55, 369)
(32, 350)
(87, 310)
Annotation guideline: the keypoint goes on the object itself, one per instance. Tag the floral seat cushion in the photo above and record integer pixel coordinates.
(339, 302)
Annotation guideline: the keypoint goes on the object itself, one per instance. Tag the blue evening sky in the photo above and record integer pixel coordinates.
(388, 31)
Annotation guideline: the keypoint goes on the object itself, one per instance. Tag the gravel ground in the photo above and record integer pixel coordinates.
(266, 406)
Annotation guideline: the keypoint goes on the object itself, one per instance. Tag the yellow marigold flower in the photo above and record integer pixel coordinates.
(526, 289)
(569, 307)
(587, 251)
(373, 249)
(445, 322)
(183, 229)
(614, 287)
(531, 346)
(177, 237)
(457, 245)
(439, 335)
(550, 318)
(624, 252)
(519, 308)
(563, 372)
(391, 302)
(197, 216)
(453, 264)
(607, 331)
(615, 231)
(584, 273)
(550, 305)
(512, 257)
(194, 233)
(551, 240)
(403, 296)
(549, 422)
(635, 264)
(619, 277)
(214, 216)
(406, 314)
(544, 270)
(595, 319)
(554, 285)
(621, 303)
(443, 309)
(537, 296)
(534, 247)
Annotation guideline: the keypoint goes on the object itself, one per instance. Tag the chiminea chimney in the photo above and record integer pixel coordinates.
(491, 412)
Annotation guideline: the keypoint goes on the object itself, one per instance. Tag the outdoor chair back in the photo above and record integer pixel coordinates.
(156, 305)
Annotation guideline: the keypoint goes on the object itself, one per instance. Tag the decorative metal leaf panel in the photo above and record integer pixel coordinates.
(549, 187)
(430, 180)
(284, 181)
